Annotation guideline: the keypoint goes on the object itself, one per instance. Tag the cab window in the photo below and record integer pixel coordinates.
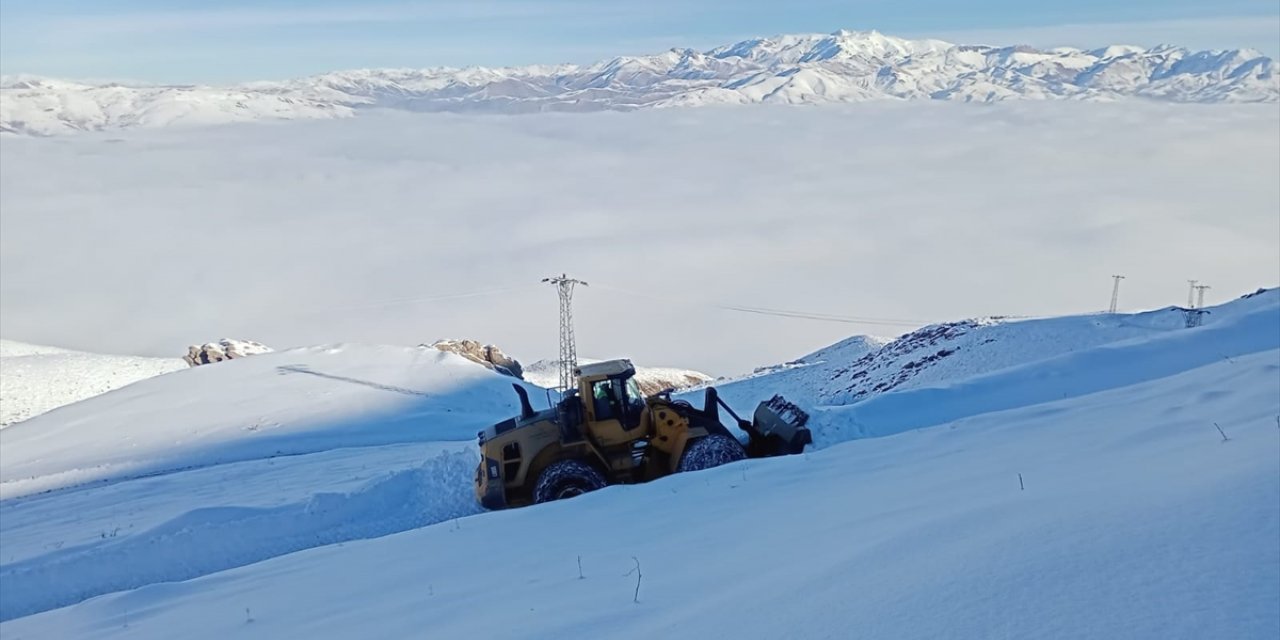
(633, 392)
(618, 399)
(605, 399)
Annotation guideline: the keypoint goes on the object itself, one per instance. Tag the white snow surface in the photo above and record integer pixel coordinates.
(938, 354)
(546, 373)
(845, 66)
(284, 403)
(35, 379)
(1134, 517)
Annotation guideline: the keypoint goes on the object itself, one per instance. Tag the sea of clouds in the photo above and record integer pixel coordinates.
(378, 229)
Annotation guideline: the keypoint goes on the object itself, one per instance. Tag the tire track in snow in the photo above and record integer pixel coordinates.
(209, 540)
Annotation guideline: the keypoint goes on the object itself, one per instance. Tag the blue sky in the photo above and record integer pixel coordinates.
(237, 40)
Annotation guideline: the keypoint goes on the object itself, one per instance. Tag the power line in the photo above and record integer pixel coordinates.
(822, 316)
(782, 313)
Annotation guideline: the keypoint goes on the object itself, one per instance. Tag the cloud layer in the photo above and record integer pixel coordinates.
(305, 232)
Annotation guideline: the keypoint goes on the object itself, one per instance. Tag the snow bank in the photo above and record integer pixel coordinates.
(205, 521)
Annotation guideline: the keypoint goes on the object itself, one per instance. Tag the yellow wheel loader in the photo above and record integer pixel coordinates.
(606, 432)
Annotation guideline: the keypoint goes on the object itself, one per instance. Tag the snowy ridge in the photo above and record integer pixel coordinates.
(35, 379)
(845, 66)
(862, 368)
(1072, 374)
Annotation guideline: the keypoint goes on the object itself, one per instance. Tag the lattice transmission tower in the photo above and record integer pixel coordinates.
(568, 348)
(1200, 295)
(1115, 293)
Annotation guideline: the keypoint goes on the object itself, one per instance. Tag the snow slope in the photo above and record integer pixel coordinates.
(936, 355)
(845, 66)
(1083, 495)
(253, 457)
(35, 379)
(278, 404)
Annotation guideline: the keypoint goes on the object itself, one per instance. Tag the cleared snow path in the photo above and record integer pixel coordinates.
(112, 551)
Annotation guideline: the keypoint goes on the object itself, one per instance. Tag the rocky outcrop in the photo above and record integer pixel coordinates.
(224, 349)
(485, 354)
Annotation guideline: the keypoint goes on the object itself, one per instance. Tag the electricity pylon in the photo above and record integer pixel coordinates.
(568, 349)
(1115, 293)
(1200, 295)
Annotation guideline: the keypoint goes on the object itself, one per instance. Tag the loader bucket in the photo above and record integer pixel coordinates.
(777, 429)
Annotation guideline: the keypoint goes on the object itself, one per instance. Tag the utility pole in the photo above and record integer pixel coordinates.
(1115, 293)
(1191, 293)
(1200, 295)
(568, 349)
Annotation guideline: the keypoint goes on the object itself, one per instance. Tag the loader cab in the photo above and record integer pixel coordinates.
(611, 400)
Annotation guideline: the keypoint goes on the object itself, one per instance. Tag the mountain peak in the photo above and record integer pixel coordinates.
(842, 66)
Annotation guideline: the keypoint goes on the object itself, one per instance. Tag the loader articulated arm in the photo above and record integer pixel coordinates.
(777, 428)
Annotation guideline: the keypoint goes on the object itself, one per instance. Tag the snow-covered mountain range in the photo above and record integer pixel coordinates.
(845, 66)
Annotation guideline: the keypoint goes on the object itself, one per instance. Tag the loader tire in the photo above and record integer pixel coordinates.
(711, 451)
(566, 479)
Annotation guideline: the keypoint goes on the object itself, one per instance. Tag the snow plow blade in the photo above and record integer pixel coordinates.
(777, 429)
